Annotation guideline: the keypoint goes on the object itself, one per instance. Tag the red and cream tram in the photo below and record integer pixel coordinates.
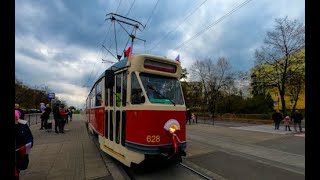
(136, 108)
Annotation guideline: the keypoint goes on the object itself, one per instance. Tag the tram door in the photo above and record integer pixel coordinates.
(119, 113)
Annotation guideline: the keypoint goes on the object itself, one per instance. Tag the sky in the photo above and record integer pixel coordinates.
(60, 44)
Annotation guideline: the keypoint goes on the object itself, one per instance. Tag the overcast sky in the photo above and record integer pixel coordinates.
(59, 43)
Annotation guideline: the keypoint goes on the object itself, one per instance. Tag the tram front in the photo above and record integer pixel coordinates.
(156, 117)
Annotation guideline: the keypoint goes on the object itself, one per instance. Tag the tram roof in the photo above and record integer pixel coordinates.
(123, 63)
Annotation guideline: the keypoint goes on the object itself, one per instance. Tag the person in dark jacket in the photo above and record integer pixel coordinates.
(277, 118)
(46, 115)
(23, 144)
(56, 117)
(188, 116)
(70, 113)
(17, 107)
(297, 118)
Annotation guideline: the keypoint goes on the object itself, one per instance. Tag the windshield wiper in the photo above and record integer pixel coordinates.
(161, 94)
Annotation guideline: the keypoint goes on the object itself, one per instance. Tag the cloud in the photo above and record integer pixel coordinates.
(59, 43)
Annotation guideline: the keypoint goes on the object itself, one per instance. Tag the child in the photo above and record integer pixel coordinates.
(286, 122)
(193, 117)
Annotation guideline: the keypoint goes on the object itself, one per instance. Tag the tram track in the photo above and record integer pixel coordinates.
(196, 172)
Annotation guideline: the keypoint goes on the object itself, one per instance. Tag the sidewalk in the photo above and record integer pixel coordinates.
(268, 128)
(72, 155)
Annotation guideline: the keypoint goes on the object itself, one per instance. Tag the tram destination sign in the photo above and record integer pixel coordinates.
(51, 95)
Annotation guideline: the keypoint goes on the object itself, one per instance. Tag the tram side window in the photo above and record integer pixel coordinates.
(123, 128)
(117, 127)
(106, 123)
(136, 91)
(98, 94)
(106, 97)
(124, 89)
(111, 97)
(92, 98)
(111, 126)
(118, 89)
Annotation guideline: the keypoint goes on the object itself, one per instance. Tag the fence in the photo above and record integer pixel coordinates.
(34, 118)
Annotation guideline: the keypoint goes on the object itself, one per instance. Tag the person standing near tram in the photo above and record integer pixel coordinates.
(42, 109)
(17, 107)
(188, 116)
(46, 115)
(56, 116)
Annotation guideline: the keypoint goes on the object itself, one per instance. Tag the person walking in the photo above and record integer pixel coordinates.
(277, 118)
(23, 144)
(286, 122)
(297, 118)
(56, 117)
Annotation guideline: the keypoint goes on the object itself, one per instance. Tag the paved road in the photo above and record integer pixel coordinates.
(246, 152)
(224, 151)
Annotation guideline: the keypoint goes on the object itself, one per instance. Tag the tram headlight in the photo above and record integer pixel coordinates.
(172, 126)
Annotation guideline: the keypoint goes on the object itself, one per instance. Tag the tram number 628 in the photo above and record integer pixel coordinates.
(153, 138)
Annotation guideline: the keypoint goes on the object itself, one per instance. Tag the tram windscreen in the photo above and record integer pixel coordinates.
(161, 89)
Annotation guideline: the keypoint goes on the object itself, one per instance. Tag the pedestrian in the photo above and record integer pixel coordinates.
(56, 117)
(46, 115)
(188, 116)
(17, 107)
(193, 117)
(297, 118)
(70, 114)
(286, 122)
(63, 115)
(23, 144)
(67, 115)
(42, 109)
(277, 118)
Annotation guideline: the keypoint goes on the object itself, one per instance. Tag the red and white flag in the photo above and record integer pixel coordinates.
(178, 58)
(23, 150)
(128, 52)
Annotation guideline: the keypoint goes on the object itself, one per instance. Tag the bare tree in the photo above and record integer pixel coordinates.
(296, 85)
(214, 78)
(279, 55)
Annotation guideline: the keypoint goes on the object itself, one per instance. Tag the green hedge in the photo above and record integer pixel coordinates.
(247, 116)
(242, 116)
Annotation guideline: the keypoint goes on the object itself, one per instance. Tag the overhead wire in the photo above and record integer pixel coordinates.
(90, 76)
(213, 24)
(177, 27)
(151, 13)
(116, 34)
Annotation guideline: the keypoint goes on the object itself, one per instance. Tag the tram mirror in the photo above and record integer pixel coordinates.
(109, 78)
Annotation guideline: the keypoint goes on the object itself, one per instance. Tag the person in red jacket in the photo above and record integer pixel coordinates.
(23, 144)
